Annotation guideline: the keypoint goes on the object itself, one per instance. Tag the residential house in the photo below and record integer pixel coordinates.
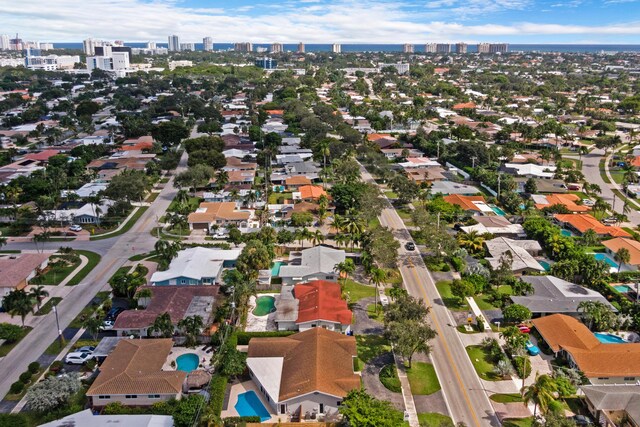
(496, 225)
(17, 269)
(613, 405)
(87, 418)
(317, 263)
(470, 204)
(295, 182)
(305, 375)
(580, 223)
(530, 170)
(400, 153)
(179, 301)
(196, 266)
(221, 214)
(307, 169)
(451, 187)
(317, 303)
(569, 201)
(310, 192)
(601, 363)
(521, 252)
(554, 295)
(87, 213)
(633, 246)
(133, 375)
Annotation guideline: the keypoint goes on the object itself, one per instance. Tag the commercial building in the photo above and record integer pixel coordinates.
(243, 47)
(408, 48)
(89, 46)
(430, 48)
(483, 47)
(174, 43)
(4, 42)
(266, 63)
(336, 48)
(207, 44)
(461, 48)
(277, 48)
(300, 47)
(182, 63)
(188, 47)
(116, 61)
(34, 61)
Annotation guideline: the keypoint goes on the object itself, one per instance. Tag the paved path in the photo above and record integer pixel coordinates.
(363, 324)
(372, 384)
(466, 400)
(407, 396)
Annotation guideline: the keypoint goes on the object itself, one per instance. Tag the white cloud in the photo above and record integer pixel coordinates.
(311, 21)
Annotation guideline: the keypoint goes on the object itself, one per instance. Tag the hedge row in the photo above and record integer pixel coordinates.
(217, 389)
(244, 337)
(240, 421)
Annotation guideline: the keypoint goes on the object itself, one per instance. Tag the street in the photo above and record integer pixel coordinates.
(464, 394)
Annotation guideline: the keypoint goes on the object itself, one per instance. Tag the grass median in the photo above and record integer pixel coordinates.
(93, 258)
(126, 227)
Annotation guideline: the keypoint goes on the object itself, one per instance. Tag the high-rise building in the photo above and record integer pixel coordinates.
(16, 44)
(336, 48)
(408, 48)
(188, 46)
(89, 46)
(113, 61)
(483, 47)
(45, 46)
(461, 48)
(207, 44)
(277, 48)
(174, 43)
(151, 45)
(443, 48)
(4, 42)
(243, 47)
(430, 48)
(300, 47)
(498, 48)
(266, 63)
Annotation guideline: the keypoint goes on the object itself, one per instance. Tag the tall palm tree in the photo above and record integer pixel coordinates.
(323, 147)
(341, 239)
(541, 393)
(162, 325)
(38, 293)
(317, 238)
(192, 326)
(18, 303)
(344, 269)
(471, 241)
(92, 325)
(377, 277)
(222, 178)
(623, 256)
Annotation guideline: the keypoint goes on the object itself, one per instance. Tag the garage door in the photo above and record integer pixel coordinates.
(200, 226)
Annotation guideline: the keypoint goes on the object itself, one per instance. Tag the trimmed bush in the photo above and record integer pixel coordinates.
(217, 390)
(240, 421)
(34, 367)
(16, 388)
(13, 420)
(244, 337)
(25, 377)
(56, 366)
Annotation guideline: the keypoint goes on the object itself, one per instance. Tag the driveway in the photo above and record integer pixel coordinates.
(363, 325)
(371, 381)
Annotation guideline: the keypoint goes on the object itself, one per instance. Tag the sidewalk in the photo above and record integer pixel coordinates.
(409, 403)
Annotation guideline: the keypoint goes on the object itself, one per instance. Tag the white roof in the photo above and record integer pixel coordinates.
(417, 162)
(86, 418)
(519, 250)
(268, 370)
(319, 259)
(524, 169)
(483, 229)
(196, 263)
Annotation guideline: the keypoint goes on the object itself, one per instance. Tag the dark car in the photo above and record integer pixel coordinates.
(113, 313)
(582, 420)
(409, 246)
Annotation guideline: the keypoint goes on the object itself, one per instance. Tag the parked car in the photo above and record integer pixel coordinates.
(524, 329)
(107, 325)
(582, 420)
(409, 246)
(86, 349)
(114, 313)
(75, 228)
(532, 349)
(78, 358)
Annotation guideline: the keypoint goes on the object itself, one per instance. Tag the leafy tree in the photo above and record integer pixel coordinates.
(359, 409)
(87, 108)
(382, 245)
(541, 393)
(187, 409)
(231, 361)
(377, 276)
(530, 186)
(462, 289)
(254, 256)
(516, 313)
(195, 176)
(10, 332)
(235, 236)
(597, 315)
(514, 339)
(410, 336)
(301, 219)
(170, 133)
(129, 185)
(406, 189)
(52, 392)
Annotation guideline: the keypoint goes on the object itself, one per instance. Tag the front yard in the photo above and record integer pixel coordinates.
(423, 379)
(356, 291)
(481, 362)
(370, 347)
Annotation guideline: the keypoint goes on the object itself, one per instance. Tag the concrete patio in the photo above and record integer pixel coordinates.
(238, 388)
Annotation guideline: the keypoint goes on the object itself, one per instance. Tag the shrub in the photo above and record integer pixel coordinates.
(16, 388)
(458, 264)
(516, 313)
(25, 377)
(217, 389)
(239, 421)
(34, 367)
(446, 268)
(13, 420)
(56, 366)
(244, 337)
(10, 332)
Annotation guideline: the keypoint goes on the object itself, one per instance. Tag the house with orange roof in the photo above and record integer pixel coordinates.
(569, 201)
(377, 136)
(580, 223)
(221, 214)
(464, 105)
(42, 156)
(603, 358)
(470, 204)
(311, 192)
(633, 246)
(317, 303)
(275, 113)
(295, 182)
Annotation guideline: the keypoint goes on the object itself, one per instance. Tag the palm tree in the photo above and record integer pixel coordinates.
(192, 326)
(92, 325)
(19, 303)
(222, 178)
(597, 315)
(162, 325)
(377, 277)
(38, 293)
(323, 147)
(317, 238)
(341, 239)
(541, 393)
(471, 241)
(338, 223)
(345, 268)
(623, 256)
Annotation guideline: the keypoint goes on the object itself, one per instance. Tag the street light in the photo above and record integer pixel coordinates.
(55, 310)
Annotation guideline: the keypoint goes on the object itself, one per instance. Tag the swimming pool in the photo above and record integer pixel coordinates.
(188, 362)
(605, 258)
(609, 338)
(623, 288)
(264, 306)
(566, 233)
(249, 405)
(275, 270)
(497, 210)
(545, 265)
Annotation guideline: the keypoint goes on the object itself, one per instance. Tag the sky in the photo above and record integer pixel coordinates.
(326, 21)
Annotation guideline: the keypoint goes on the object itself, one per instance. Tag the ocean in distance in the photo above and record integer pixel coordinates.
(576, 48)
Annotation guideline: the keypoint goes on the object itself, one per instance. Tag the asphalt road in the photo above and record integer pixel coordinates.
(115, 252)
(465, 397)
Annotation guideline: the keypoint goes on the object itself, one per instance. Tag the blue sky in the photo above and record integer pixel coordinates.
(327, 21)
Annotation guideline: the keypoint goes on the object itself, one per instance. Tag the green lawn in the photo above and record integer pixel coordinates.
(617, 175)
(46, 309)
(450, 301)
(357, 291)
(433, 419)
(7, 347)
(391, 195)
(369, 347)
(484, 303)
(389, 378)
(54, 275)
(481, 363)
(506, 397)
(377, 315)
(152, 197)
(274, 198)
(93, 258)
(423, 379)
(127, 226)
(522, 422)
(193, 202)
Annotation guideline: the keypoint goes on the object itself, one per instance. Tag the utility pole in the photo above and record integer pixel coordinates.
(473, 162)
(499, 177)
(55, 310)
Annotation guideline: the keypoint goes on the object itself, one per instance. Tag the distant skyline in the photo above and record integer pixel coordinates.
(327, 21)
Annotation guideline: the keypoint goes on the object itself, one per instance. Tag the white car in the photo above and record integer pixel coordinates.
(78, 358)
(75, 228)
(107, 325)
(85, 349)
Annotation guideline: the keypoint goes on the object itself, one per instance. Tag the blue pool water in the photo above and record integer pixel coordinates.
(545, 265)
(605, 258)
(187, 362)
(497, 210)
(275, 270)
(622, 288)
(608, 338)
(249, 405)
(566, 233)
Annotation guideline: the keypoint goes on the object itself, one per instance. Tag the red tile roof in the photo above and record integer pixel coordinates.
(311, 192)
(321, 300)
(42, 156)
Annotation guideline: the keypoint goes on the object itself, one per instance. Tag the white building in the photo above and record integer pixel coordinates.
(50, 62)
(430, 48)
(174, 43)
(4, 42)
(116, 61)
(188, 46)
(175, 64)
(336, 48)
(400, 67)
(277, 48)
(207, 44)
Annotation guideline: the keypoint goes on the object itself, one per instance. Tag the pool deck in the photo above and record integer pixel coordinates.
(239, 388)
(179, 351)
(259, 323)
